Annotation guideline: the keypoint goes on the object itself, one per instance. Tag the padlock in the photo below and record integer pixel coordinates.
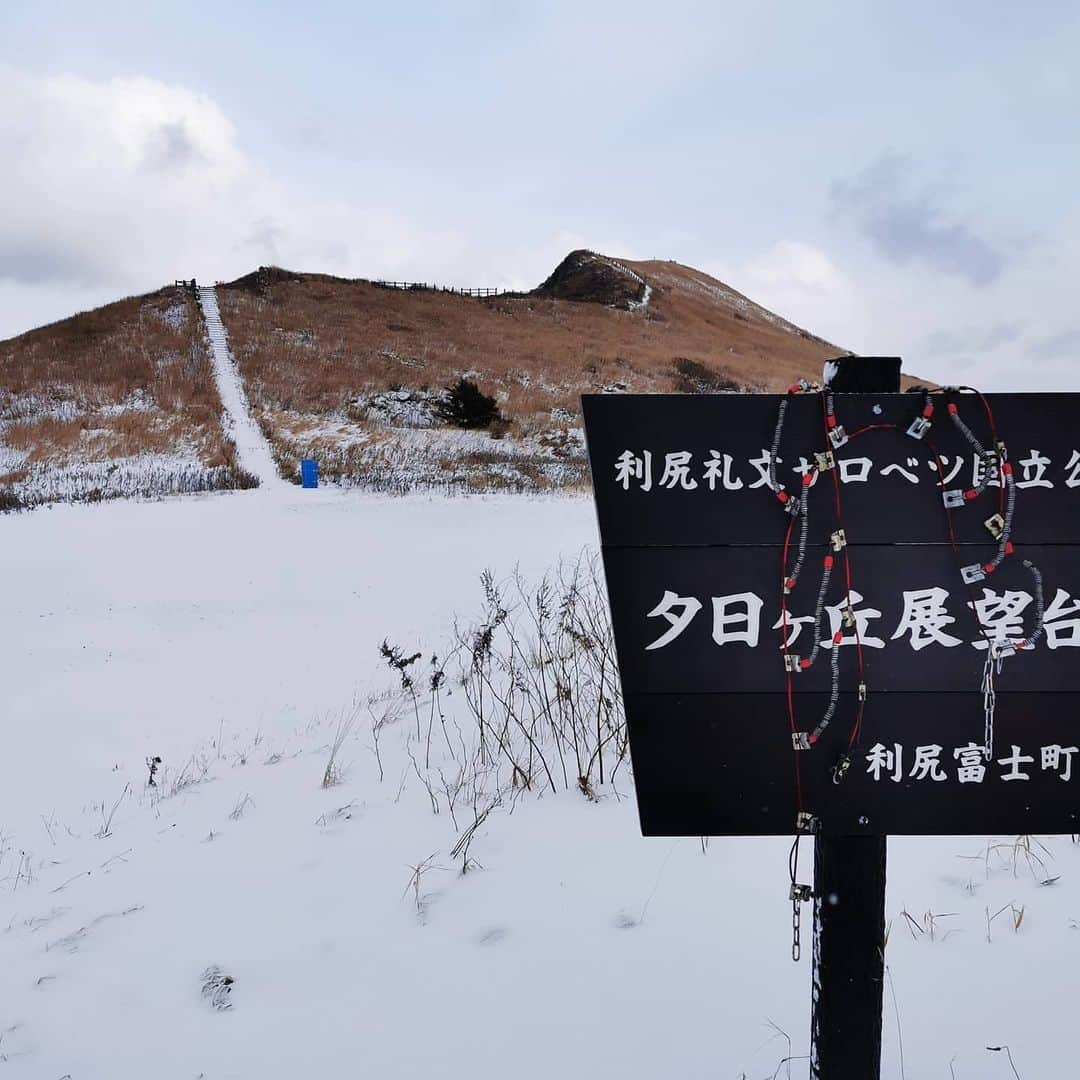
(800, 740)
(801, 893)
(840, 769)
(837, 436)
(838, 540)
(919, 427)
(792, 662)
(825, 460)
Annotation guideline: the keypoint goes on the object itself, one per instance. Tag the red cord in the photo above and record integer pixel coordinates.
(848, 579)
(831, 422)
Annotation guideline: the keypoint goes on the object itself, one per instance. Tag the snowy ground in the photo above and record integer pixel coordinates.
(235, 628)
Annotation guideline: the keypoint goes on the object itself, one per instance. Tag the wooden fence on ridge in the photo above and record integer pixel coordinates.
(407, 285)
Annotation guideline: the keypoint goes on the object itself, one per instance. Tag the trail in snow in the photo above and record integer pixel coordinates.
(251, 445)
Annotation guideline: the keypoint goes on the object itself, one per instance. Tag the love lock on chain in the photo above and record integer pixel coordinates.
(800, 894)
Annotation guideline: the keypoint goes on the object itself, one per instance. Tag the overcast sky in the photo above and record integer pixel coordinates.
(896, 177)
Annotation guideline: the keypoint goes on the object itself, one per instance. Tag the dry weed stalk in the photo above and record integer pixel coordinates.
(528, 699)
(416, 876)
(107, 820)
(332, 774)
(541, 682)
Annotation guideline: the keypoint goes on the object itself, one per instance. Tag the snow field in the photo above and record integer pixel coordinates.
(227, 634)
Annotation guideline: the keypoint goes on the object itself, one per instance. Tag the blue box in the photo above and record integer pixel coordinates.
(309, 473)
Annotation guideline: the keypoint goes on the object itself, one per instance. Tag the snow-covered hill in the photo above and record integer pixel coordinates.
(193, 389)
(228, 635)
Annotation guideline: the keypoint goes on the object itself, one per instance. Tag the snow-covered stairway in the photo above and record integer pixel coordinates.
(251, 446)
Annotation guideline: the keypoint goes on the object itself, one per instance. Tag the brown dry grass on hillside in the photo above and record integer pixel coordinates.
(351, 373)
(313, 348)
(127, 380)
(309, 345)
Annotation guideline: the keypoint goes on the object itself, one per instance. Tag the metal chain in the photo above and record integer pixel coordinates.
(1005, 540)
(796, 930)
(996, 461)
(968, 434)
(1040, 607)
(994, 655)
(804, 530)
(993, 661)
(834, 692)
(774, 451)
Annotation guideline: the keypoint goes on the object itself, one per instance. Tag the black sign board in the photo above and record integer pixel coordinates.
(697, 545)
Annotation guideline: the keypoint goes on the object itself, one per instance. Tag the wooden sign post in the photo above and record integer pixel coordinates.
(845, 615)
(848, 977)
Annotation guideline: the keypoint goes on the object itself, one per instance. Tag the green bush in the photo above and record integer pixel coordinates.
(467, 406)
(9, 501)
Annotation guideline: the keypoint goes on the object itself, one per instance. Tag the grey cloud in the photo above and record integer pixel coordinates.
(171, 148)
(1055, 344)
(979, 339)
(905, 226)
(43, 260)
(265, 236)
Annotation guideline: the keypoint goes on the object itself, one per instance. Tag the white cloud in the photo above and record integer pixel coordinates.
(802, 283)
(119, 186)
(116, 187)
(912, 226)
(1018, 332)
(110, 183)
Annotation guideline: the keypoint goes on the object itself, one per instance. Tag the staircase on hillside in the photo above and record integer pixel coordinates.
(252, 447)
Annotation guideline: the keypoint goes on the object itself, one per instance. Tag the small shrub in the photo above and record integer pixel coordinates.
(499, 427)
(10, 502)
(467, 406)
(695, 378)
(217, 988)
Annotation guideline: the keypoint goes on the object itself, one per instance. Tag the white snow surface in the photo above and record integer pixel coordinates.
(237, 421)
(238, 625)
